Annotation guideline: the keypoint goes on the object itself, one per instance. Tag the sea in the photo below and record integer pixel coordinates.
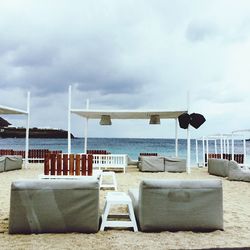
(130, 146)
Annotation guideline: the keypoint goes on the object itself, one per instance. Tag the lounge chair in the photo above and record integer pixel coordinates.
(54, 206)
(161, 164)
(237, 172)
(174, 205)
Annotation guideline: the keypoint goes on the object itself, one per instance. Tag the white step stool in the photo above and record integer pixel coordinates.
(113, 184)
(118, 198)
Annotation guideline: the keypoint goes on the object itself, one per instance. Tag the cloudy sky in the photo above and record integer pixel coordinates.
(127, 54)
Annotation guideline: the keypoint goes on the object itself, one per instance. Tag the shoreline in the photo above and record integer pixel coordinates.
(236, 197)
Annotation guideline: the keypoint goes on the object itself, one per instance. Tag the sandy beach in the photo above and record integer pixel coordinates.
(236, 200)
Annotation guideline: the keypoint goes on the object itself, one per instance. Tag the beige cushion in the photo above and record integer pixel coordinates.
(54, 206)
(178, 205)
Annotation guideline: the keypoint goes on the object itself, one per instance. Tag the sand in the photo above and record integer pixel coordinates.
(236, 202)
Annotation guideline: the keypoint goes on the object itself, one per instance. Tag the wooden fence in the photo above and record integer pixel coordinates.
(68, 164)
(237, 157)
(98, 152)
(148, 154)
(34, 155)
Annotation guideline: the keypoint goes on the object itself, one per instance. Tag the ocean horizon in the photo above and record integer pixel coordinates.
(130, 146)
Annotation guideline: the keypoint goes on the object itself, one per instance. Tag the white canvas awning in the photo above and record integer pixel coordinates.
(4, 110)
(11, 111)
(127, 114)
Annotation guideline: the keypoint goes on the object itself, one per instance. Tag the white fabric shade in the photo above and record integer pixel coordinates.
(127, 114)
(11, 111)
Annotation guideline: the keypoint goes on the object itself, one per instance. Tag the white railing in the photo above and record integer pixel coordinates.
(110, 161)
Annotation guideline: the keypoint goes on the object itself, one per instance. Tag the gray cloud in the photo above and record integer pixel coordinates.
(123, 54)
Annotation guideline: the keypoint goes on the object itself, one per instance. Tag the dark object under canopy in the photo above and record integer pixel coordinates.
(194, 119)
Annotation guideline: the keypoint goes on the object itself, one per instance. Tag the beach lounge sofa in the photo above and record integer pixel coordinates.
(218, 167)
(237, 172)
(54, 206)
(175, 205)
(10, 162)
(161, 164)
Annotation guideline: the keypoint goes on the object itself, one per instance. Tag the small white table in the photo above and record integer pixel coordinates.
(112, 184)
(118, 198)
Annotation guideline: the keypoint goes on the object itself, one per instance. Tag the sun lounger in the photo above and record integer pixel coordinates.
(174, 205)
(218, 167)
(237, 172)
(10, 162)
(161, 164)
(54, 206)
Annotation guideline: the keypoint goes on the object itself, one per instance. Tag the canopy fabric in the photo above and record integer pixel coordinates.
(11, 111)
(127, 114)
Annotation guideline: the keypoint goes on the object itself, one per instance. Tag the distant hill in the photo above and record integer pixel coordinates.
(15, 132)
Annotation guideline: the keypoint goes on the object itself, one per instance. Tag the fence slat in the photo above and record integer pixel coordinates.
(90, 164)
(83, 164)
(78, 157)
(46, 164)
(65, 164)
(59, 164)
(53, 164)
(71, 164)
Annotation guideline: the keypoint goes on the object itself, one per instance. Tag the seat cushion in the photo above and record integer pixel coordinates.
(2, 163)
(238, 173)
(54, 206)
(13, 162)
(151, 164)
(180, 205)
(218, 167)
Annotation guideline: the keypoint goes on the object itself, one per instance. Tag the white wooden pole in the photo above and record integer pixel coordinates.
(188, 139)
(232, 146)
(176, 137)
(207, 149)
(221, 148)
(188, 150)
(27, 131)
(196, 152)
(86, 130)
(224, 146)
(69, 121)
(244, 150)
(215, 147)
(203, 151)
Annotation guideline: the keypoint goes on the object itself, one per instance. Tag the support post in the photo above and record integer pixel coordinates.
(244, 150)
(27, 132)
(69, 121)
(232, 146)
(188, 138)
(86, 130)
(176, 137)
(196, 152)
(203, 151)
(215, 147)
(188, 150)
(207, 149)
(221, 148)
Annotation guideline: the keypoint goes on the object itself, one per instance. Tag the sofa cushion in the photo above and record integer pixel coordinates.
(180, 205)
(174, 164)
(218, 167)
(2, 163)
(238, 173)
(54, 206)
(13, 162)
(151, 164)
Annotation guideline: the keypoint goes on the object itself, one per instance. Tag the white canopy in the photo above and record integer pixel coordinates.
(4, 110)
(126, 114)
(11, 111)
